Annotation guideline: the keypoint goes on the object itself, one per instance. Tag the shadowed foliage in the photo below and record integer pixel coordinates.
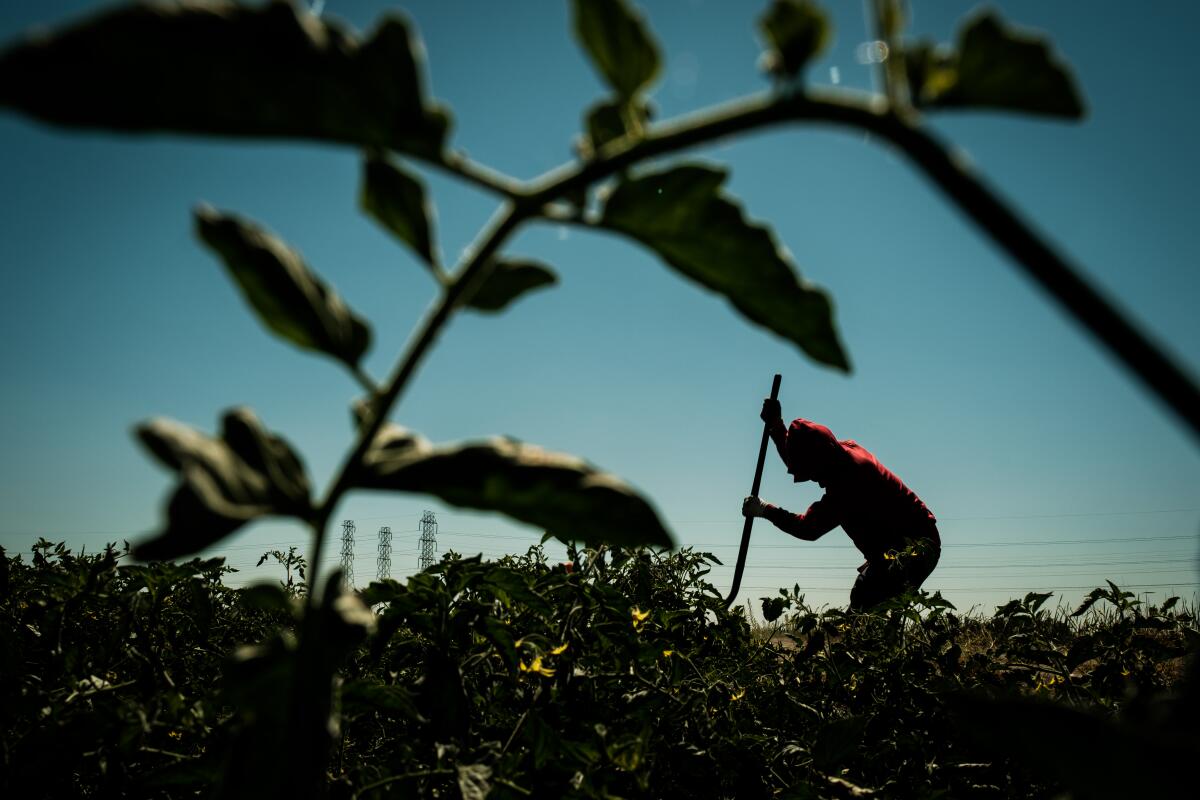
(224, 482)
(682, 214)
(230, 70)
(558, 493)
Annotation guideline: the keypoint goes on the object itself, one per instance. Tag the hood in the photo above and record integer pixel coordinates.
(812, 450)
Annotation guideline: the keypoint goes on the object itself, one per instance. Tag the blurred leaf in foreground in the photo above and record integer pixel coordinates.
(289, 298)
(796, 31)
(994, 66)
(619, 43)
(398, 201)
(682, 214)
(224, 482)
(555, 492)
(509, 280)
(609, 120)
(230, 70)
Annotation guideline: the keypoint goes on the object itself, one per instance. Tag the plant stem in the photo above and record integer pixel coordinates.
(458, 164)
(364, 380)
(478, 264)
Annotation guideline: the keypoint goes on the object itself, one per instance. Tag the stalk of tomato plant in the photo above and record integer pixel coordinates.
(476, 269)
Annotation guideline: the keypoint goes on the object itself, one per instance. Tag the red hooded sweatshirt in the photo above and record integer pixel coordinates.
(874, 507)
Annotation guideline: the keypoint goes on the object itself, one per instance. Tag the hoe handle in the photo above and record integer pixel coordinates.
(762, 457)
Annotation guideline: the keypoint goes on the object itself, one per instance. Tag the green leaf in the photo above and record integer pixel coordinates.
(996, 67)
(224, 482)
(1093, 597)
(383, 591)
(931, 71)
(398, 201)
(508, 281)
(620, 45)
(773, 608)
(224, 69)
(265, 597)
(796, 31)
(501, 637)
(682, 214)
(609, 120)
(289, 298)
(1035, 600)
(558, 493)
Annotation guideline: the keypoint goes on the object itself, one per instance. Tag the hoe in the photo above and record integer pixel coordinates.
(762, 456)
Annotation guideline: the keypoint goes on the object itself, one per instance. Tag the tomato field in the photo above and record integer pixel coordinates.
(623, 677)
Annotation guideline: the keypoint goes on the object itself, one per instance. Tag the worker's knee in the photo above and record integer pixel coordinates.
(868, 591)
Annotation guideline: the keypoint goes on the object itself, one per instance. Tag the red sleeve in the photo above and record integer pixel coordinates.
(819, 520)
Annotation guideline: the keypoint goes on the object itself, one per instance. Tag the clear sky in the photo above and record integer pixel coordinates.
(1047, 467)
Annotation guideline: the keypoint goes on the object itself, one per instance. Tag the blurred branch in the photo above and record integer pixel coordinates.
(870, 112)
(457, 163)
(365, 380)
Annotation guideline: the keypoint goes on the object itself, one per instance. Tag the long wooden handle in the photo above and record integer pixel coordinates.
(762, 457)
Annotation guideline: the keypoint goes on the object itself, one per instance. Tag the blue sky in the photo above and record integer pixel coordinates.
(1002, 414)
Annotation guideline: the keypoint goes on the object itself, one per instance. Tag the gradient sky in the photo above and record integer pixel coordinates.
(999, 412)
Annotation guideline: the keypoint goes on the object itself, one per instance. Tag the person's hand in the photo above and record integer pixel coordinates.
(753, 507)
(771, 411)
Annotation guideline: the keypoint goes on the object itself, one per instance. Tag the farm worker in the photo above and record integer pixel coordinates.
(886, 521)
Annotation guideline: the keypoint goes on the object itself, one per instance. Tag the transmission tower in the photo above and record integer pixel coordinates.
(428, 540)
(383, 561)
(348, 554)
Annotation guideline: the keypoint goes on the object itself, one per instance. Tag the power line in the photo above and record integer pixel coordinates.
(1008, 516)
(847, 545)
(996, 588)
(733, 522)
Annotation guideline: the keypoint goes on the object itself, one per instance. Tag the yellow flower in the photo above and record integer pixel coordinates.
(738, 695)
(558, 651)
(175, 735)
(890, 555)
(639, 617)
(1125, 671)
(537, 667)
(667, 653)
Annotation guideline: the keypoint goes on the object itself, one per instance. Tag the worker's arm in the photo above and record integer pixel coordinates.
(772, 415)
(819, 520)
